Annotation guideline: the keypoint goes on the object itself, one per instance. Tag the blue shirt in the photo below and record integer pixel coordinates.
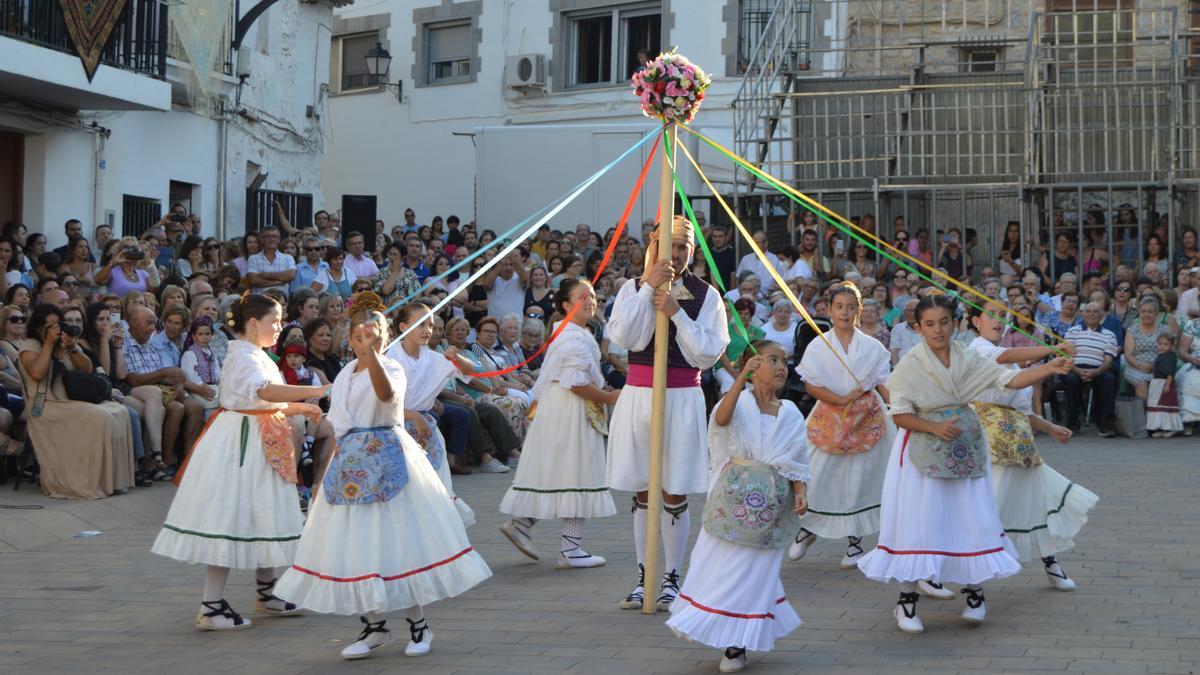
(420, 270)
(306, 274)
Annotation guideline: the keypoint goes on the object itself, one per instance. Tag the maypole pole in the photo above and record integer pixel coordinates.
(670, 89)
(658, 396)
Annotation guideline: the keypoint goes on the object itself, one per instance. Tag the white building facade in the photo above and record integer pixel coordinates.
(503, 105)
(139, 137)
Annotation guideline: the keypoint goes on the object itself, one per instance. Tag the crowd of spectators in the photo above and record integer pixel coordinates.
(144, 316)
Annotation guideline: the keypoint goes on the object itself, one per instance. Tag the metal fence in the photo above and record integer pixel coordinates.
(138, 214)
(138, 42)
(260, 208)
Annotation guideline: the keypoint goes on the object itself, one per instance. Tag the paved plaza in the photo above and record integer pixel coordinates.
(105, 604)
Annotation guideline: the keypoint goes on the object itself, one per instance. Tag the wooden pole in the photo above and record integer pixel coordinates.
(658, 401)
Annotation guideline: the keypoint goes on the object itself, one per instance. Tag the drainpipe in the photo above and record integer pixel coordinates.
(222, 170)
(99, 167)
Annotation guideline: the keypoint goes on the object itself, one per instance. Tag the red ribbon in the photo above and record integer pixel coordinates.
(608, 253)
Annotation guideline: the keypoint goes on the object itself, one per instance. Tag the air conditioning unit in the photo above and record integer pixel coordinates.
(525, 70)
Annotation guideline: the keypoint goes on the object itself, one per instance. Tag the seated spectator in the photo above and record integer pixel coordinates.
(171, 339)
(314, 438)
(18, 295)
(490, 357)
(70, 469)
(1095, 351)
(872, 325)
(318, 337)
(151, 365)
(336, 279)
(508, 345)
(495, 391)
(191, 258)
(80, 264)
(303, 306)
(270, 267)
(904, 335)
(227, 281)
(14, 319)
(333, 310)
(310, 265)
(781, 328)
(537, 294)
(129, 270)
(1140, 346)
(1059, 322)
(726, 370)
(170, 294)
(396, 282)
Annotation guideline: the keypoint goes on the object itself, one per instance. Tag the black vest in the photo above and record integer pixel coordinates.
(692, 307)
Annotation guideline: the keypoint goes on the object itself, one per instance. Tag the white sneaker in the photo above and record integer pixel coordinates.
(932, 589)
(799, 547)
(854, 551)
(906, 614)
(1058, 578)
(976, 609)
(493, 466)
(421, 640)
(734, 664)
(520, 539)
(373, 638)
(579, 558)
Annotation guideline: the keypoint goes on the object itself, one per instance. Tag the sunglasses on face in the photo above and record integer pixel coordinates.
(16, 319)
(70, 284)
(1124, 289)
(213, 247)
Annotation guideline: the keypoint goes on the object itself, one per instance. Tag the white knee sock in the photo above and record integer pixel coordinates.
(674, 535)
(639, 533)
(214, 584)
(414, 613)
(572, 535)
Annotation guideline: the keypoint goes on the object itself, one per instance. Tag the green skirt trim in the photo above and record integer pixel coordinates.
(843, 513)
(554, 491)
(207, 535)
(1035, 528)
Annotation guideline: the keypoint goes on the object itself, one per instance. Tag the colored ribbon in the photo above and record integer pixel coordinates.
(432, 280)
(852, 230)
(608, 253)
(787, 291)
(708, 256)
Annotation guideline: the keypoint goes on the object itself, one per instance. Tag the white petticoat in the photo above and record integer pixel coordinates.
(465, 513)
(240, 516)
(944, 529)
(1041, 510)
(562, 472)
(384, 556)
(843, 495)
(685, 446)
(732, 597)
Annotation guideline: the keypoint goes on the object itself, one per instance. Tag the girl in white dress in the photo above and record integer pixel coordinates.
(849, 430)
(428, 372)
(237, 504)
(1040, 509)
(938, 517)
(382, 534)
(733, 598)
(562, 470)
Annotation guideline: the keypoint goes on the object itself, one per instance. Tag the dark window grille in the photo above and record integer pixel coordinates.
(138, 214)
(260, 209)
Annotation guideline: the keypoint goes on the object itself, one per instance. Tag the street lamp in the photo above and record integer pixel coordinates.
(378, 62)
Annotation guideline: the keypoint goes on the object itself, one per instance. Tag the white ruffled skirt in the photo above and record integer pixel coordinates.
(944, 529)
(379, 557)
(465, 513)
(232, 510)
(732, 597)
(844, 493)
(685, 450)
(1041, 510)
(562, 471)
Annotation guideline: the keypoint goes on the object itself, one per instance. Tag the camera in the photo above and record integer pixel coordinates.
(134, 254)
(176, 218)
(72, 330)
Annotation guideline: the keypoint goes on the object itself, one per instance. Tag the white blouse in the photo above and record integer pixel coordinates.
(702, 341)
(247, 369)
(572, 360)
(427, 375)
(1019, 399)
(353, 403)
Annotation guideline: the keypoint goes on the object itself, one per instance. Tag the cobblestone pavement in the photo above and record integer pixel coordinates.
(105, 604)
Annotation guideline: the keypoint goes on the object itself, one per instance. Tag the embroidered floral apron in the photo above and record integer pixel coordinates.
(435, 447)
(1009, 435)
(369, 467)
(962, 457)
(847, 430)
(751, 505)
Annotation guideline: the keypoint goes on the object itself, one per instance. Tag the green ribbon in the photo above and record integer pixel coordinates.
(713, 272)
(775, 184)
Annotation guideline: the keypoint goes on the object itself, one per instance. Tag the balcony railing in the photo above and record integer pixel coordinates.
(138, 41)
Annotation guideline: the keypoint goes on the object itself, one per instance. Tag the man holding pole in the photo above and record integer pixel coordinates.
(698, 334)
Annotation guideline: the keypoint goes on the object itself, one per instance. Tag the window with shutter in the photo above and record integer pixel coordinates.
(354, 61)
(448, 52)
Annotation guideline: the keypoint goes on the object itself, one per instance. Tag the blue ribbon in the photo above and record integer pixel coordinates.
(503, 237)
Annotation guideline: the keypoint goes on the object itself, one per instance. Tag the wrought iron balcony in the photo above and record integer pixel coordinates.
(138, 42)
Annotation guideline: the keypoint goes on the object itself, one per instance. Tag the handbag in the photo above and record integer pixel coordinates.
(87, 387)
(751, 505)
(847, 430)
(963, 457)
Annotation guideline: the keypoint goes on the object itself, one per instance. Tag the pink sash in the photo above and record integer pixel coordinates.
(677, 378)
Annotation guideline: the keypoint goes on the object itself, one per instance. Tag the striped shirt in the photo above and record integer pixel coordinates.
(1091, 346)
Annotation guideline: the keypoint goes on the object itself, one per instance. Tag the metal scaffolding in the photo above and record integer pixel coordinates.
(962, 114)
